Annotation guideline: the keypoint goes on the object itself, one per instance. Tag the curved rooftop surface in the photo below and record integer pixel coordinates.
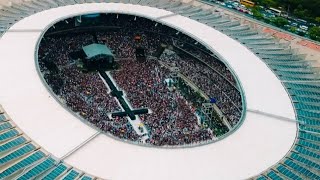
(260, 142)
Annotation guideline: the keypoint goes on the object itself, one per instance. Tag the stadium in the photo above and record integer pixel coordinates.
(151, 89)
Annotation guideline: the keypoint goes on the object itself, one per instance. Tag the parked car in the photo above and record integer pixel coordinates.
(304, 28)
(235, 4)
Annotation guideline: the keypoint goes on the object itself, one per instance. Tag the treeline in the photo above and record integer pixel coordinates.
(304, 9)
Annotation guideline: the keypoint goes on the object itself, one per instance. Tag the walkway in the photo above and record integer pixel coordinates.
(127, 110)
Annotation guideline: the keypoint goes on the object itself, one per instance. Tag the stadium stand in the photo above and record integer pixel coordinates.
(56, 172)
(12, 144)
(307, 144)
(72, 174)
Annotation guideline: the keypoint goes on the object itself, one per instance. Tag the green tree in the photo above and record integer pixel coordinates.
(257, 14)
(314, 33)
(293, 29)
(301, 12)
(267, 3)
(280, 22)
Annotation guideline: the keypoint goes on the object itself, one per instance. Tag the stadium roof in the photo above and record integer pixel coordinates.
(259, 143)
(93, 50)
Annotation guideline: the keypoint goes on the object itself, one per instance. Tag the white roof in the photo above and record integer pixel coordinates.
(258, 144)
(96, 49)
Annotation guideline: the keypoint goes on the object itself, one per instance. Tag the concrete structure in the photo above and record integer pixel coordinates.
(259, 143)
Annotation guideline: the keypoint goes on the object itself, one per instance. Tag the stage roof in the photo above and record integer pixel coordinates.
(93, 50)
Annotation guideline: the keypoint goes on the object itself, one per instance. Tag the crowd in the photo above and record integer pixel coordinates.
(123, 44)
(207, 58)
(173, 120)
(84, 93)
(215, 86)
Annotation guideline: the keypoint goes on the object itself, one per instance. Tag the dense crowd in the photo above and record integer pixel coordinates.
(123, 44)
(214, 85)
(84, 93)
(173, 120)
